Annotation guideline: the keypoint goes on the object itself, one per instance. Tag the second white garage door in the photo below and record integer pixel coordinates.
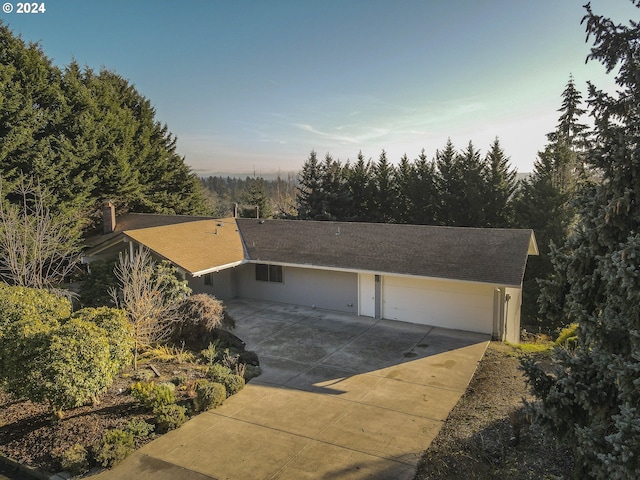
(449, 304)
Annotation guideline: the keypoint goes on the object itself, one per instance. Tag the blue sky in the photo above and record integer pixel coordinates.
(256, 85)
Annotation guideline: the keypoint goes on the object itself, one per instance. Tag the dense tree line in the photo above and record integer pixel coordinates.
(274, 198)
(87, 136)
(456, 188)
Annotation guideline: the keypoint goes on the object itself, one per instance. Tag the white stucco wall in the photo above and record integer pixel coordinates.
(223, 285)
(449, 304)
(331, 290)
(513, 308)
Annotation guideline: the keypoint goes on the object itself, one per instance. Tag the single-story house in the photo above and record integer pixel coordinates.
(453, 277)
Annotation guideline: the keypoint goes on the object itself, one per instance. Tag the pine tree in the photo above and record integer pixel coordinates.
(501, 185)
(591, 399)
(359, 182)
(540, 205)
(310, 197)
(383, 182)
(255, 200)
(403, 185)
(462, 187)
(337, 198)
(448, 173)
(422, 192)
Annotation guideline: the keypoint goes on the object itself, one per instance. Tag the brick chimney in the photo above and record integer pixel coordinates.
(108, 217)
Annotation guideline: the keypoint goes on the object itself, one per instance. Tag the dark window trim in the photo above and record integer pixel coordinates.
(266, 272)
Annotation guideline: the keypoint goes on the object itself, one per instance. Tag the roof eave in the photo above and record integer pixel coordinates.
(218, 268)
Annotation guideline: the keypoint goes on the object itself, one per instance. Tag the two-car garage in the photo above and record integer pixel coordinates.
(444, 303)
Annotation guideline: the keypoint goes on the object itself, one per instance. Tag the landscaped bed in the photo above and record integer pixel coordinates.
(31, 435)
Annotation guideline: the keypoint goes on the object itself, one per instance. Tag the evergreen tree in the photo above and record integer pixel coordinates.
(501, 185)
(461, 185)
(359, 182)
(255, 197)
(337, 199)
(404, 181)
(383, 191)
(591, 399)
(86, 137)
(311, 198)
(545, 201)
(540, 205)
(422, 190)
(447, 177)
(568, 140)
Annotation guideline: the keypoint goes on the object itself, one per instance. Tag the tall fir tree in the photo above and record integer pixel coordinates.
(337, 198)
(359, 182)
(461, 187)
(541, 205)
(383, 191)
(591, 399)
(310, 197)
(447, 184)
(501, 185)
(403, 186)
(545, 201)
(422, 192)
(255, 200)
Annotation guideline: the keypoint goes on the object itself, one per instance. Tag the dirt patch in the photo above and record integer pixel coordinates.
(488, 434)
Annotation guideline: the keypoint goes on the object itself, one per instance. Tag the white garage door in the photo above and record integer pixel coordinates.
(458, 305)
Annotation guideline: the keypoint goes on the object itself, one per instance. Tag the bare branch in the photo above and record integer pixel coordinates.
(37, 248)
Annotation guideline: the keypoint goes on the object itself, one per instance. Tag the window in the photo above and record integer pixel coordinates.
(268, 273)
(275, 273)
(208, 279)
(262, 272)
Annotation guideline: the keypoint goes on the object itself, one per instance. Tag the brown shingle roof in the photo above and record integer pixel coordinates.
(197, 246)
(135, 221)
(496, 256)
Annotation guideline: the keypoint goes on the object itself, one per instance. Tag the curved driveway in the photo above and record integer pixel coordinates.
(340, 397)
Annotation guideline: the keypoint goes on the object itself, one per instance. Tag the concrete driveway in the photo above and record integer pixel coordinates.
(340, 397)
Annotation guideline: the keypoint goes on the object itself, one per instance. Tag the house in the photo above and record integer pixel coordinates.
(453, 277)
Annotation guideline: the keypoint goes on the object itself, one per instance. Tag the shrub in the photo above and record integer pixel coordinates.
(153, 396)
(114, 446)
(163, 395)
(169, 417)
(209, 395)
(26, 315)
(568, 336)
(94, 291)
(118, 329)
(252, 371)
(179, 380)
(233, 383)
(199, 316)
(142, 391)
(75, 460)
(210, 353)
(78, 365)
(218, 373)
(139, 428)
(22, 302)
(144, 375)
(45, 357)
